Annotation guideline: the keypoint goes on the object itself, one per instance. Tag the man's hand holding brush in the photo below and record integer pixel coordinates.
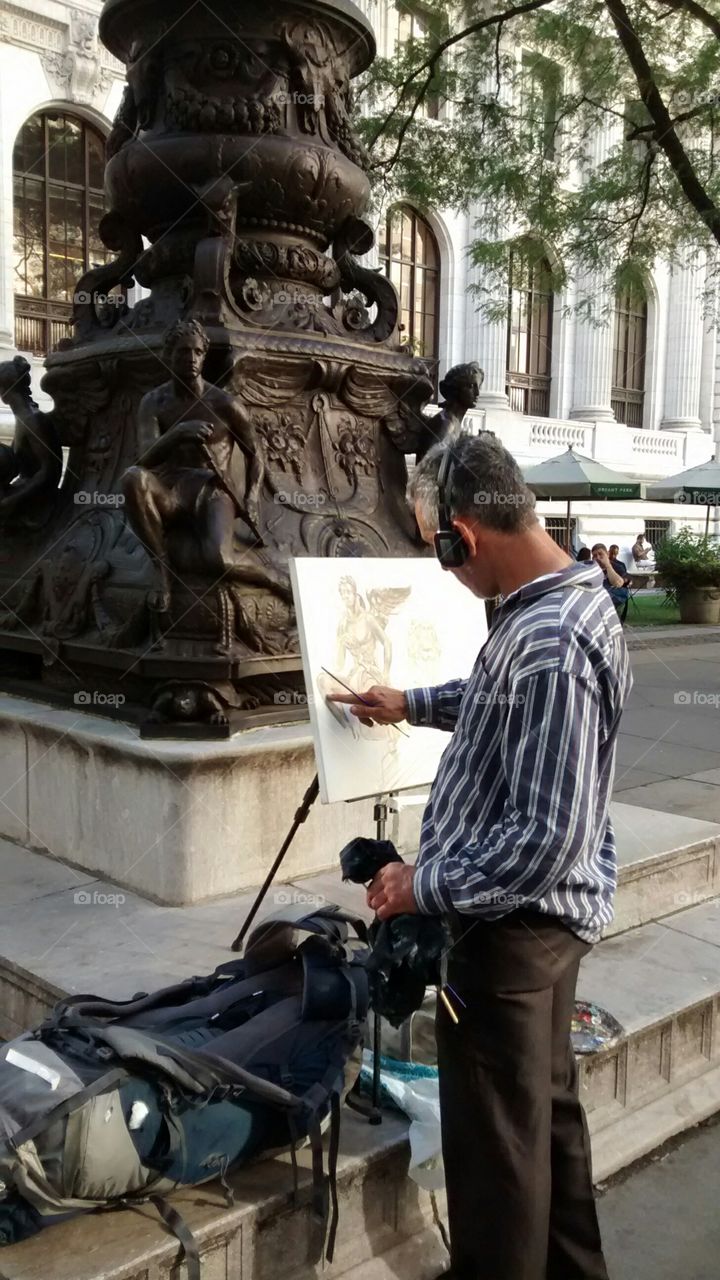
(380, 705)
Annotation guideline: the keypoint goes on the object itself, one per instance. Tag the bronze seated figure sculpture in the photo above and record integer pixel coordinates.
(183, 497)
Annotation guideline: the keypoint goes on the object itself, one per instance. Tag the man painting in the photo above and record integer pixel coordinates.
(517, 853)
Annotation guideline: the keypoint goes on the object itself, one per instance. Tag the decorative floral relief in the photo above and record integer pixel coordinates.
(355, 453)
(284, 441)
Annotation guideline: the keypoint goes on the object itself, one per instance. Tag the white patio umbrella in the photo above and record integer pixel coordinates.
(571, 475)
(698, 485)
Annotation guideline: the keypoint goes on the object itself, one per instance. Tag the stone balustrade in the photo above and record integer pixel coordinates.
(649, 455)
(559, 435)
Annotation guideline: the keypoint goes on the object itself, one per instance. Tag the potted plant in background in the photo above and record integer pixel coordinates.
(689, 565)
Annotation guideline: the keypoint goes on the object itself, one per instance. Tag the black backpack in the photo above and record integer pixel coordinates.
(111, 1103)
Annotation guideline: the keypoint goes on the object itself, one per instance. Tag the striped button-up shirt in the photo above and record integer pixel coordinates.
(519, 810)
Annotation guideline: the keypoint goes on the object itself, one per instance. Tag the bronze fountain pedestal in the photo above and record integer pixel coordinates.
(271, 421)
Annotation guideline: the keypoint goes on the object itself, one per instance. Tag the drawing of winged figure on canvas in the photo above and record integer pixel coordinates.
(364, 651)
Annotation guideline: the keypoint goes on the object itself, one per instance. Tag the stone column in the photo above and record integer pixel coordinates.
(592, 376)
(592, 365)
(684, 348)
(490, 350)
(486, 340)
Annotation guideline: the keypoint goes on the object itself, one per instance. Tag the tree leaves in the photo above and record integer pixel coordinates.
(592, 126)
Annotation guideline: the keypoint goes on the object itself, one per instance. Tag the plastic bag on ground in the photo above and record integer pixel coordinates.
(413, 1088)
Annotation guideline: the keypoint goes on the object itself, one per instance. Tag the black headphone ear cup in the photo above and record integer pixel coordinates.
(450, 546)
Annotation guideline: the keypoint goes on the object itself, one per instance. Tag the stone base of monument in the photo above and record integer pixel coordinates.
(178, 822)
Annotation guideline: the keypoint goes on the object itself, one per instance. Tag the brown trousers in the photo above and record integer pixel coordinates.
(515, 1141)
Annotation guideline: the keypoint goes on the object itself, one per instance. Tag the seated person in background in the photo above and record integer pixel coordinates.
(642, 551)
(584, 554)
(614, 583)
(618, 565)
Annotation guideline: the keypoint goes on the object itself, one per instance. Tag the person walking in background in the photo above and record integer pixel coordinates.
(517, 853)
(583, 555)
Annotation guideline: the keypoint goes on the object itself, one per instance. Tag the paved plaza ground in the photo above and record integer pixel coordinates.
(661, 1222)
(669, 750)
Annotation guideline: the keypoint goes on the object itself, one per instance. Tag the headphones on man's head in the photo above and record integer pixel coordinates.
(451, 548)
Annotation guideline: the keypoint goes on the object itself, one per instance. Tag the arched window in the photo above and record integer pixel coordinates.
(58, 171)
(629, 354)
(529, 339)
(410, 257)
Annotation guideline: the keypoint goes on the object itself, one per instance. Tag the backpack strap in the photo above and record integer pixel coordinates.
(182, 1232)
(72, 1010)
(320, 1200)
(325, 1196)
(332, 1172)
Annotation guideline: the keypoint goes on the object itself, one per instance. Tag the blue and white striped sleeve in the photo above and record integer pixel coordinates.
(437, 707)
(550, 760)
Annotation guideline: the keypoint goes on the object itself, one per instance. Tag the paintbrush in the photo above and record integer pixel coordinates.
(357, 695)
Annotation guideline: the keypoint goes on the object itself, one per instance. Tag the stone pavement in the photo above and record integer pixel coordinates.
(669, 749)
(659, 637)
(662, 1222)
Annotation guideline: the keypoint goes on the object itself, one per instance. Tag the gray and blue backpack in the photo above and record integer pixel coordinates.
(113, 1103)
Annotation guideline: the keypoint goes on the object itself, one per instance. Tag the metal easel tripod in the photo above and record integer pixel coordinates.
(374, 1115)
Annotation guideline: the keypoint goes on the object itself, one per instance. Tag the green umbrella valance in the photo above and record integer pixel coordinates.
(572, 475)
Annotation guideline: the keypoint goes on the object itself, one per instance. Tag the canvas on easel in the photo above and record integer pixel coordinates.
(372, 621)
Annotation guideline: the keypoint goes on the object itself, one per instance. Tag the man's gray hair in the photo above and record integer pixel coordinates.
(485, 483)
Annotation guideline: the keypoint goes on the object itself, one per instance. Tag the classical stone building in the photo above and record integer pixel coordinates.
(641, 393)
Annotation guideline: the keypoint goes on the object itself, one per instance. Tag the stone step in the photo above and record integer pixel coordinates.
(661, 980)
(67, 930)
(666, 863)
(64, 931)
